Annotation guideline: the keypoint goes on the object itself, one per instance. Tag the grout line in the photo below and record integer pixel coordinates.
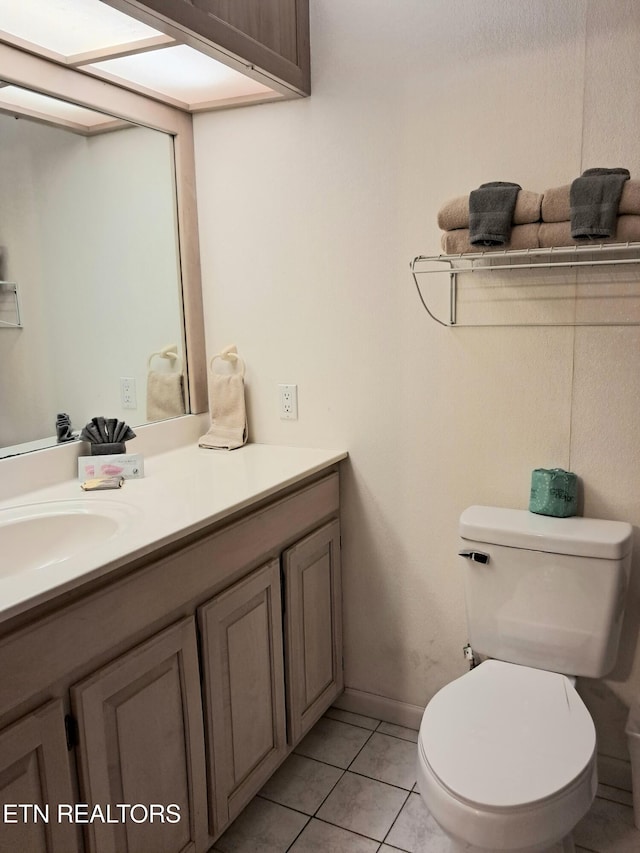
(341, 722)
(282, 806)
(337, 782)
(299, 811)
(382, 781)
(390, 734)
(352, 831)
(377, 728)
(406, 791)
(615, 787)
(328, 763)
(300, 833)
(314, 816)
(357, 725)
(373, 778)
(330, 792)
(397, 816)
(360, 750)
(317, 761)
(344, 770)
(612, 799)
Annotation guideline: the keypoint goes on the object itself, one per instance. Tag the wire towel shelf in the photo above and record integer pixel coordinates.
(9, 306)
(516, 260)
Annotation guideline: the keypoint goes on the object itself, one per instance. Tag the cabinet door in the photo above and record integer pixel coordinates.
(273, 35)
(141, 742)
(243, 666)
(35, 772)
(272, 23)
(313, 627)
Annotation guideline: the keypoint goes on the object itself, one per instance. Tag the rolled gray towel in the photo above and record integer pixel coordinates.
(594, 201)
(491, 209)
(455, 212)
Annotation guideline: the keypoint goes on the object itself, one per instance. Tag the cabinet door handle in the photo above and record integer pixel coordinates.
(476, 556)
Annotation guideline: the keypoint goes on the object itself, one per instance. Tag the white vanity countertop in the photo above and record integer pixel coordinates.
(183, 490)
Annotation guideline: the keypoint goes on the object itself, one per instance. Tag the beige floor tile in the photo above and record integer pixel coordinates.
(363, 805)
(301, 783)
(334, 742)
(387, 759)
(263, 827)
(353, 719)
(416, 831)
(608, 828)
(375, 800)
(320, 837)
(398, 731)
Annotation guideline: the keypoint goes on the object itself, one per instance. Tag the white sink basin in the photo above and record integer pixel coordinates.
(38, 535)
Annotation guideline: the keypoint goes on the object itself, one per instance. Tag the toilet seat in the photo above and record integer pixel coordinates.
(504, 736)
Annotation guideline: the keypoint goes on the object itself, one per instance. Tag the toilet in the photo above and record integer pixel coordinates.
(507, 752)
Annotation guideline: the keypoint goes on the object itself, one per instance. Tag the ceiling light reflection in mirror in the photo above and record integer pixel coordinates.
(24, 102)
(104, 42)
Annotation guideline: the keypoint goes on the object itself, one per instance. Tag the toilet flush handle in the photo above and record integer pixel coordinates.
(476, 556)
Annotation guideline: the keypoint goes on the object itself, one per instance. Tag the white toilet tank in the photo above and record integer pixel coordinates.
(551, 594)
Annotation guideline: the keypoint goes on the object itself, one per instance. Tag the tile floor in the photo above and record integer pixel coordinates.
(349, 787)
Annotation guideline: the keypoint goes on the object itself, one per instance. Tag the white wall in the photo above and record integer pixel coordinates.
(310, 212)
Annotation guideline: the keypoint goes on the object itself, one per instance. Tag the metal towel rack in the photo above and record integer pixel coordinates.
(9, 306)
(515, 260)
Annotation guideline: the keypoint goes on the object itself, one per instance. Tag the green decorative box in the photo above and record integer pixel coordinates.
(554, 491)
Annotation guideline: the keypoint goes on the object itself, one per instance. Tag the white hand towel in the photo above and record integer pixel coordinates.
(228, 429)
(165, 396)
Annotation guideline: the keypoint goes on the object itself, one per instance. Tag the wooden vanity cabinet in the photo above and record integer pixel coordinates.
(186, 681)
(272, 35)
(254, 655)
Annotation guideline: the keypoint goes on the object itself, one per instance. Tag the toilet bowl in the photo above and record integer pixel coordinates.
(507, 759)
(507, 752)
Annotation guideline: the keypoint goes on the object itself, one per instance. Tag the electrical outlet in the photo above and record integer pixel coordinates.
(288, 398)
(128, 392)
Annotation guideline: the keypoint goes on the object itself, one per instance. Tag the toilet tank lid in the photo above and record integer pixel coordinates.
(519, 528)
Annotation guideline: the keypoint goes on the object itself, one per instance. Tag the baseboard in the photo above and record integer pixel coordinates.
(380, 708)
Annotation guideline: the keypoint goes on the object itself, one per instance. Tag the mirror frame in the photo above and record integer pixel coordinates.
(33, 72)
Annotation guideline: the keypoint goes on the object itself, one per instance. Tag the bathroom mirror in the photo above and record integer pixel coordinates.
(98, 235)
